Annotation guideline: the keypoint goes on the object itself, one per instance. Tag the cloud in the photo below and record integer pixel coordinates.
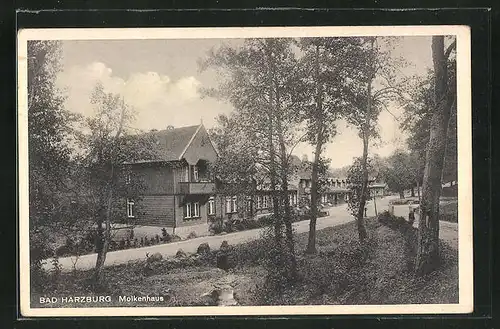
(155, 97)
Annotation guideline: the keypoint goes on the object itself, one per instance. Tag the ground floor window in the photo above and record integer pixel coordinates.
(211, 206)
(130, 208)
(265, 201)
(231, 204)
(192, 210)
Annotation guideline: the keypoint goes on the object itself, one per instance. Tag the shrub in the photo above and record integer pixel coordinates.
(216, 226)
(276, 259)
(39, 250)
(142, 242)
(113, 245)
(203, 248)
(56, 270)
(156, 257)
(192, 235)
(224, 245)
(228, 227)
(127, 243)
(62, 251)
(449, 218)
(175, 238)
(146, 241)
(266, 220)
(131, 237)
(157, 239)
(136, 243)
(122, 244)
(384, 216)
(240, 226)
(251, 224)
(397, 223)
(165, 236)
(180, 254)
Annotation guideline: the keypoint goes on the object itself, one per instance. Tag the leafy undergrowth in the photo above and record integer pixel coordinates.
(342, 272)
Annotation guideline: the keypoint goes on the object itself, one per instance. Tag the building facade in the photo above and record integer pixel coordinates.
(177, 190)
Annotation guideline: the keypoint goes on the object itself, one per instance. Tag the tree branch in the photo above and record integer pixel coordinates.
(450, 48)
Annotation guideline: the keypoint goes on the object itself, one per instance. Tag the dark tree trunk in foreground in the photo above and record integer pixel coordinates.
(106, 237)
(360, 220)
(311, 242)
(428, 230)
(287, 211)
(102, 252)
(401, 194)
(365, 134)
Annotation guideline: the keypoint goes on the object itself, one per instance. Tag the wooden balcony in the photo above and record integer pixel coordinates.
(196, 188)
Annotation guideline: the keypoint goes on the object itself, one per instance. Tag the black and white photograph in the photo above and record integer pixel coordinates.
(245, 171)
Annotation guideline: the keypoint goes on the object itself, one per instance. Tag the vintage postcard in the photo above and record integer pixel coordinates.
(245, 171)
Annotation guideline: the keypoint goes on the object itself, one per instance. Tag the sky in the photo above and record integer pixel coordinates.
(161, 80)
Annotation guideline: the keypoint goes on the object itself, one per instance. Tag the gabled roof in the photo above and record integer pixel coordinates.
(173, 142)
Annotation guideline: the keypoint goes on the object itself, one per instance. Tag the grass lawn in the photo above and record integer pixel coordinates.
(342, 272)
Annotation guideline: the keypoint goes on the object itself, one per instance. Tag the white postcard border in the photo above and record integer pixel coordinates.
(464, 122)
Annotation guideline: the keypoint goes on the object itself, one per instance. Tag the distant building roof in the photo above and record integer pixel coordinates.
(173, 142)
(378, 185)
(331, 189)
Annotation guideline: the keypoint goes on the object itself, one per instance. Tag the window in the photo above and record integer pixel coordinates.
(128, 178)
(265, 202)
(235, 207)
(186, 176)
(130, 208)
(192, 210)
(211, 206)
(187, 210)
(259, 201)
(196, 175)
(196, 209)
(231, 204)
(249, 205)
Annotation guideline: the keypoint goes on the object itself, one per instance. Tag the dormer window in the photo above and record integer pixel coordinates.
(196, 174)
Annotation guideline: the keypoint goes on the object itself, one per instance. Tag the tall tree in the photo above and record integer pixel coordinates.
(444, 100)
(49, 137)
(106, 148)
(328, 63)
(49, 129)
(260, 79)
(379, 82)
(416, 122)
(399, 173)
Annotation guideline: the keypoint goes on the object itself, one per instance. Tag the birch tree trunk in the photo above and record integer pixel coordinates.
(366, 138)
(311, 242)
(428, 226)
(360, 220)
(102, 252)
(101, 255)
